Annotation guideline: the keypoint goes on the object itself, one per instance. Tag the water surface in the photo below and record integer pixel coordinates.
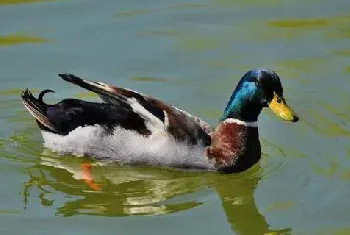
(190, 54)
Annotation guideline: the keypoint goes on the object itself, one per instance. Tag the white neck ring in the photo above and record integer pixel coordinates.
(240, 122)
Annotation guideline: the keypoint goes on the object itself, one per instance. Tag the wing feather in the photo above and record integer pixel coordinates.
(158, 115)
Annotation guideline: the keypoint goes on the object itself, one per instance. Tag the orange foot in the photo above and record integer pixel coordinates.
(88, 178)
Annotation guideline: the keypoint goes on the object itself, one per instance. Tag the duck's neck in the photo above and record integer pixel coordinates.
(243, 105)
(235, 145)
(235, 142)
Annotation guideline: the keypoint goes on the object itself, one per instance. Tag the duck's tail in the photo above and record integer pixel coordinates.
(37, 108)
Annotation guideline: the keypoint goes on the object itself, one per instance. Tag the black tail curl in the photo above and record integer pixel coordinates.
(37, 108)
(42, 93)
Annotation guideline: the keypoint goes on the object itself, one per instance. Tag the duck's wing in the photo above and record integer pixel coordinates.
(69, 114)
(178, 123)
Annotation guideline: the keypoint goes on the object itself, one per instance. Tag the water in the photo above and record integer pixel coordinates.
(190, 54)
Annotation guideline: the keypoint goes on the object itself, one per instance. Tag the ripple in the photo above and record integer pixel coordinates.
(248, 3)
(148, 79)
(311, 22)
(17, 2)
(334, 231)
(279, 206)
(201, 42)
(343, 52)
(140, 12)
(333, 27)
(300, 23)
(341, 33)
(321, 122)
(164, 32)
(16, 39)
(9, 212)
(274, 159)
(134, 13)
(187, 6)
(334, 167)
(18, 147)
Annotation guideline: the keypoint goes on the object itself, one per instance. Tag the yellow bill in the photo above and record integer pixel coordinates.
(279, 106)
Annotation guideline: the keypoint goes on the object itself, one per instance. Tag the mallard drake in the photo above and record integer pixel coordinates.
(131, 127)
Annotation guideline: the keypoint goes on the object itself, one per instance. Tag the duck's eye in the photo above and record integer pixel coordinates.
(258, 83)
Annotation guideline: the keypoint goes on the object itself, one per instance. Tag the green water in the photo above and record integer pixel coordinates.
(190, 54)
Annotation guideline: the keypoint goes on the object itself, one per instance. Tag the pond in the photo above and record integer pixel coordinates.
(189, 53)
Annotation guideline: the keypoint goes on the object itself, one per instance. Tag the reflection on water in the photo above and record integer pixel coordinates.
(138, 12)
(15, 39)
(128, 190)
(134, 13)
(300, 23)
(125, 191)
(143, 191)
(247, 3)
(15, 2)
(343, 52)
(239, 205)
(312, 23)
(148, 79)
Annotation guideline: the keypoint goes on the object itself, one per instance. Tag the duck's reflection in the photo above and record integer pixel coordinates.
(142, 191)
(236, 194)
(124, 190)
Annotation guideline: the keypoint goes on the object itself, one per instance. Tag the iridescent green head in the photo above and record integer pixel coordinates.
(257, 89)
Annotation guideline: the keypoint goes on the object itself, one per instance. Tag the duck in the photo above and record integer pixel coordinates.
(130, 127)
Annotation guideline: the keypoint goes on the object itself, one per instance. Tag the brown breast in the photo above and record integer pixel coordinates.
(234, 147)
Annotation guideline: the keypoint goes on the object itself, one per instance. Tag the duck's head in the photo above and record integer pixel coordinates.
(257, 89)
